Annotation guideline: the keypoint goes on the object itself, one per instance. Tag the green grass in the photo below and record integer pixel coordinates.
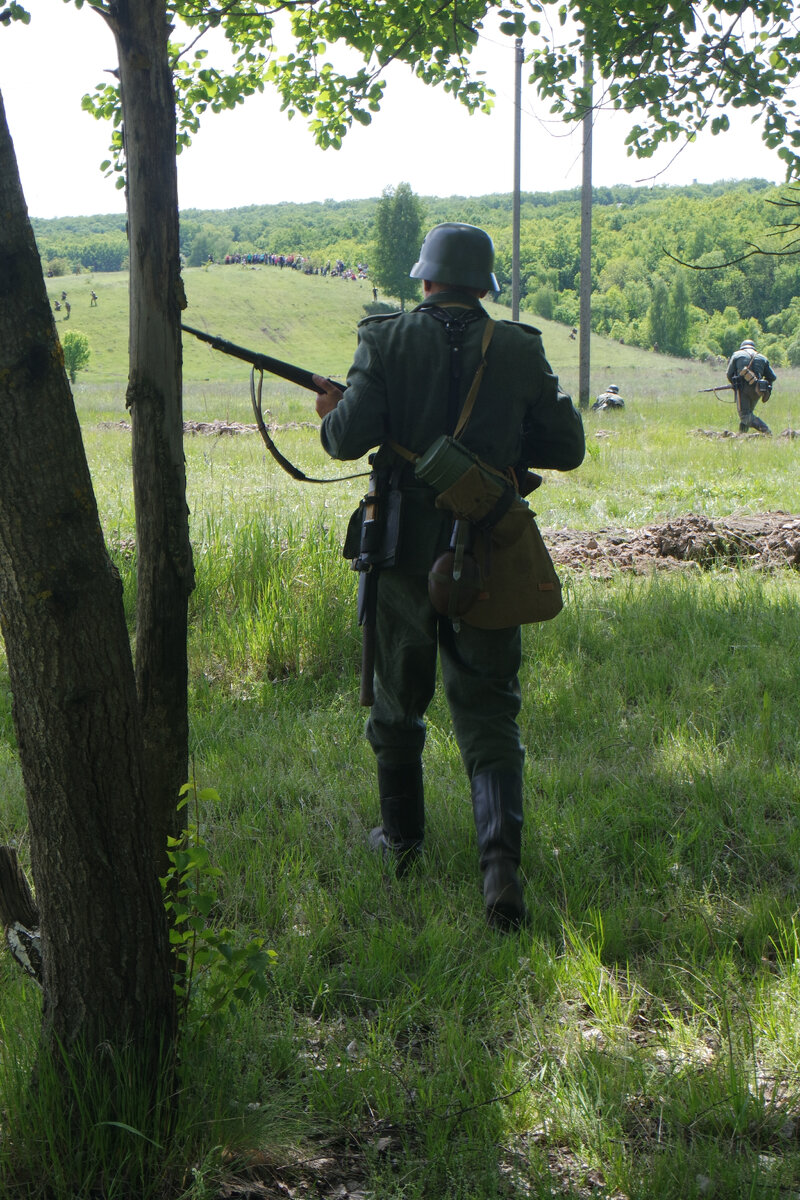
(642, 1038)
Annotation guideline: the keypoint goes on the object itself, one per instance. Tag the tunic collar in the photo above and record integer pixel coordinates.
(453, 299)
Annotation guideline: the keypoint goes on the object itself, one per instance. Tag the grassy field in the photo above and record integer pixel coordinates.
(642, 1038)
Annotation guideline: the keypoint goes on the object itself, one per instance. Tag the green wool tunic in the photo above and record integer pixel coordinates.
(399, 389)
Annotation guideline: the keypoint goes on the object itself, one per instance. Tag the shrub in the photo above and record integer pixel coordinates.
(57, 267)
(542, 303)
(76, 353)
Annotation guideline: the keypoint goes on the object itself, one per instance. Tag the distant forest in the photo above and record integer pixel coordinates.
(643, 294)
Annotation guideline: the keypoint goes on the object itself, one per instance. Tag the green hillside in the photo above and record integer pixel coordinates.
(645, 244)
(311, 320)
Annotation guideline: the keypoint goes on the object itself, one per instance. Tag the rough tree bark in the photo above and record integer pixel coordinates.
(106, 959)
(164, 556)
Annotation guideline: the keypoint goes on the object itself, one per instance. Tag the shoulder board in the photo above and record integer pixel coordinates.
(375, 317)
(519, 325)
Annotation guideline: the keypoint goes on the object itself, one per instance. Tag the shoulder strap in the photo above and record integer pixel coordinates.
(472, 395)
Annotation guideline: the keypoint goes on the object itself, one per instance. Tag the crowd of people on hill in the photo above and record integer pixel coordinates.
(298, 262)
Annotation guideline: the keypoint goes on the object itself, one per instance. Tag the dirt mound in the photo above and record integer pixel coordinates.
(766, 540)
(750, 433)
(218, 428)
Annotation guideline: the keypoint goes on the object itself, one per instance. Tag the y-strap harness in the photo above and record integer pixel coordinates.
(455, 328)
(457, 421)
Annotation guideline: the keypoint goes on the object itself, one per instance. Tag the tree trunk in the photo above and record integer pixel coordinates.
(106, 960)
(164, 555)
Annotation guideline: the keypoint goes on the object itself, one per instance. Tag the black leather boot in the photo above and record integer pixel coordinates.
(497, 807)
(400, 833)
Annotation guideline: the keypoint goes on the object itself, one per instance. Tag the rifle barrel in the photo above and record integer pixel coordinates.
(262, 362)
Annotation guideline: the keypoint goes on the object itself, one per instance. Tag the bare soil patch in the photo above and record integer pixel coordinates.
(763, 540)
(218, 428)
(751, 433)
(692, 542)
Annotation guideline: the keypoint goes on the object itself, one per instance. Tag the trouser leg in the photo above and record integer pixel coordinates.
(405, 668)
(480, 671)
(746, 401)
(404, 682)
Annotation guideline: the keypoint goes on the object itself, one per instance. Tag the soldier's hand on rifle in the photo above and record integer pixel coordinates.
(328, 395)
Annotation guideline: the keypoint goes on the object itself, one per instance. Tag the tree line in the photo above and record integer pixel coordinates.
(646, 244)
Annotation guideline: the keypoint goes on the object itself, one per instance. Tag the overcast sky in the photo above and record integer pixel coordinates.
(255, 155)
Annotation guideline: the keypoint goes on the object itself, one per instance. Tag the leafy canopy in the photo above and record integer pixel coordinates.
(679, 65)
(434, 39)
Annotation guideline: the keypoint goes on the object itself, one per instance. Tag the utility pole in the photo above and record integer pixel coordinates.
(515, 270)
(585, 319)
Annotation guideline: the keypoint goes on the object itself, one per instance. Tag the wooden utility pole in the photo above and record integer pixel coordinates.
(585, 320)
(515, 271)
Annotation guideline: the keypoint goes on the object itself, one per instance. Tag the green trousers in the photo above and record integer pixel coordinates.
(479, 671)
(746, 400)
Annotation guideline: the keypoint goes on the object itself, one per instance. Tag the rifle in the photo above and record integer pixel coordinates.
(762, 386)
(274, 366)
(380, 527)
(261, 362)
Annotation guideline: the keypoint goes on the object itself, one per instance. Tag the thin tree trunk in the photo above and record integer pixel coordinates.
(164, 555)
(106, 960)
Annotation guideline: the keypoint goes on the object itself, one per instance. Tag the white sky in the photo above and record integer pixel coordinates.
(255, 155)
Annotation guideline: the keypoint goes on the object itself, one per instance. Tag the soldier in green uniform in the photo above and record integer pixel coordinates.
(407, 385)
(752, 378)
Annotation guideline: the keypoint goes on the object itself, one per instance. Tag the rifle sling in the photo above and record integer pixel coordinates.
(280, 459)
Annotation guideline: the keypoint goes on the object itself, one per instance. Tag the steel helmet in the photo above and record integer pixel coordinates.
(459, 254)
(747, 345)
(612, 387)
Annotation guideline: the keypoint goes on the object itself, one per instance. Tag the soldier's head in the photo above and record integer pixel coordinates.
(457, 256)
(747, 345)
(612, 387)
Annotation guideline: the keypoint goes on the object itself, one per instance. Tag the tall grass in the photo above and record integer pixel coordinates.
(641, 1038)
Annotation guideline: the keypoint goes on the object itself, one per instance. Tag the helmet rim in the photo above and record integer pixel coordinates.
(458, 254)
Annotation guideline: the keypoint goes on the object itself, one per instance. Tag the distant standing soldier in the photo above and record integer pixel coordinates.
(610, 398)
(93, 301)
(68, 308)
(752, 378)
